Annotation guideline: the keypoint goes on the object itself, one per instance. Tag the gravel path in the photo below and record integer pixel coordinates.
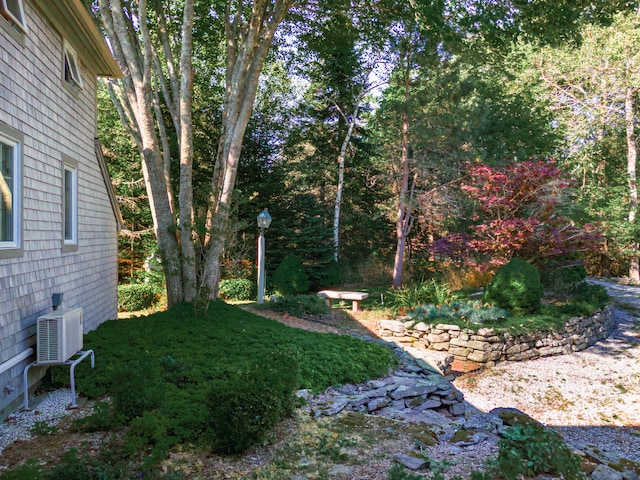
(590, 397)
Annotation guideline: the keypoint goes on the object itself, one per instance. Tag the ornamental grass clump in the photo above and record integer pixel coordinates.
(430, 292)
(515, 287)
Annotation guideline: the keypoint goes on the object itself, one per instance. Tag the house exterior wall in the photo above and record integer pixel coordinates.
(58, 125)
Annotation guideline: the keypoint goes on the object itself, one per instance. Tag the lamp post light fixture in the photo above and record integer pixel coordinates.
(264, 220)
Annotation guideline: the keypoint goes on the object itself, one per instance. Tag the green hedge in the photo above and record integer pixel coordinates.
(137, 296)
(237, 289)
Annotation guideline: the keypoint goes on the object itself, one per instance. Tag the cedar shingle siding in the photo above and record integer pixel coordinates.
(56, 122)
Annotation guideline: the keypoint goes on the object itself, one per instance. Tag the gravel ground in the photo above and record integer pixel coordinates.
(590, 397)
(51, 409)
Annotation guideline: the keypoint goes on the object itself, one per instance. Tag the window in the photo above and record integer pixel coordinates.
(10, 192)
(13, 11)
(71, 68)
(70, 205)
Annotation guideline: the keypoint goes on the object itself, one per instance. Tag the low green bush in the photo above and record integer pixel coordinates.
(299, 305)
(564, 278)
(244, 406)
(584, 299)
(530, 449)
(237, 289)
(515, 287)
(137, 296)
(470, 311)
(135, 387)
(429, 292)
(290, 278)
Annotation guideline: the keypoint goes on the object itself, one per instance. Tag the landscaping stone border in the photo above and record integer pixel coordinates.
(486, 346)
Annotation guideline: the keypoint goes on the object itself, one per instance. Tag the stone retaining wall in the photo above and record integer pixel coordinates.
(486, 347)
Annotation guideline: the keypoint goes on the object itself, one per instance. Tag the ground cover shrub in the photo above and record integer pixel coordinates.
(237, 289)
(135, 388)
(564, 278)
(403, 299)
(290, 278)
(530, 449)
(137, 296)
(516, 287)
(467, 311)
(186, 355)
(298, 305)
(245, 405)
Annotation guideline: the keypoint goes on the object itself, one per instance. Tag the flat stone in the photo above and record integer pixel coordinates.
(392, 325)
(411, 462)
(412, 391)
(478, 356)
(377, 404)
(603, 472)
(422, 327)
(332, 407)
(357, 400)
(444, 326)
(428, 404)
(430, 417)
(476, 345)
(438, 338)
(377, 392)
(486, 332)
(340, 470)
(458, 409)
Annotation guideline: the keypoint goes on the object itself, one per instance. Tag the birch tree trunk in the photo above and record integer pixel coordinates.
(341, 161)
(136, 101)
(188, 235)
(634, 267)
(249, 37)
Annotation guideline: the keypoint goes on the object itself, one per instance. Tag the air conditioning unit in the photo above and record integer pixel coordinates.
(59, 335)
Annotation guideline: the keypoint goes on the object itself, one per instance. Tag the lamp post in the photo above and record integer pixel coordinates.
(264, 220)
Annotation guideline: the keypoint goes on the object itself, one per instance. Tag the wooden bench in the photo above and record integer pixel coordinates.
(355, 297)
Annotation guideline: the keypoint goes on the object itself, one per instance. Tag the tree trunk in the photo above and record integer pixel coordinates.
(403, 217)
(188, 235)
(248, 42)
(341, 160)
(138, 95)
(634, 267)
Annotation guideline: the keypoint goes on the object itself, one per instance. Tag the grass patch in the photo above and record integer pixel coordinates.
(175, 359)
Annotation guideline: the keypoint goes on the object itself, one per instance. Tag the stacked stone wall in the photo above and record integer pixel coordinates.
(487, 346)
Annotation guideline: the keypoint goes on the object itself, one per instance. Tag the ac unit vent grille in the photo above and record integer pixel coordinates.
(59, 336)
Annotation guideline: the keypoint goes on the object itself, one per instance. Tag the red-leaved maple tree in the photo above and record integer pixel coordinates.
(519, 214)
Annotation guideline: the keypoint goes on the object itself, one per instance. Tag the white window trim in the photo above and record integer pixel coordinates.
(12, 137)
(21, 22)
(70, 58)
(70, 244)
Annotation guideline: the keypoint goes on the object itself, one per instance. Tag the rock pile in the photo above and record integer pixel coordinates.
(486, 347)
(410, 393)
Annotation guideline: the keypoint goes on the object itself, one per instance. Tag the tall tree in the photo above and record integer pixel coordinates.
(136, 97)
(146, 48)
(595, 88)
